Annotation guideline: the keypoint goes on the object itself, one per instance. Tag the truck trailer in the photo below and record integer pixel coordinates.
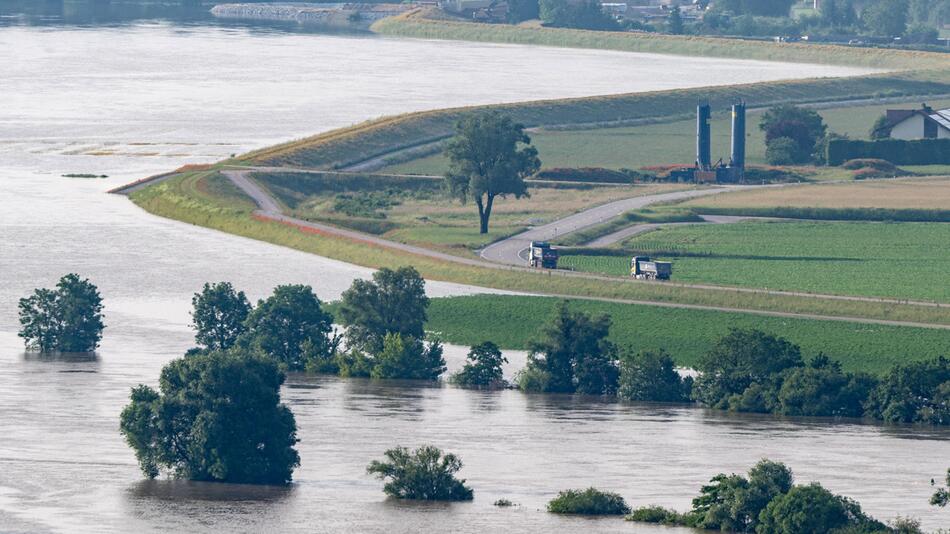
(542, 256)
(643, 268)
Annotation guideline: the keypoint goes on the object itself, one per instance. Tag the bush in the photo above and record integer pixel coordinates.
(655, 514)
(216, 417)
(869, 163)
(897, 151)
(483, 368)
(584, 174)
(423, 474)
(591, 501)
(652, 376)
(408, 358)
(784, 151)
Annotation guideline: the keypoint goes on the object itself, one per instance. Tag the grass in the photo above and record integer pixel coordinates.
(896, 260)
(514, 322)
(643, 216)
(635, 147)
(900, 194)
(181, 197)
(416, 210)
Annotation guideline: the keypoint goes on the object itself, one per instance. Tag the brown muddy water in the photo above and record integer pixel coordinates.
(132, 100)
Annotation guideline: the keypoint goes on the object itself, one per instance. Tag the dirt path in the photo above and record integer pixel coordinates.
(271, 210)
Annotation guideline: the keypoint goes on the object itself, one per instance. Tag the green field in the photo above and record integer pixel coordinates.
(513, 322)
(897, 260)
(634, 147)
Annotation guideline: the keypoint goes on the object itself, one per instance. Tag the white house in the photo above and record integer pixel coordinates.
(923, 123)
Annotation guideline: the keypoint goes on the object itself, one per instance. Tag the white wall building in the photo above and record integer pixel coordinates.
(923, 123)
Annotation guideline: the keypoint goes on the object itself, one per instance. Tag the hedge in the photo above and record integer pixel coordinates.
(897, 151)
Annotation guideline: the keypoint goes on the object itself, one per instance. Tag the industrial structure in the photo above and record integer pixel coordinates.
(704, 169)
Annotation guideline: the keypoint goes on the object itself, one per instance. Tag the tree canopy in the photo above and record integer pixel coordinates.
(218, 315)
(585, 14)
(291, 327)
(803, 126)
(590, 501)
(573, 355)
(393, 302)
(423, 474)
(490, 156)
(769, 8)
(483, 367)
(886, 18)
(65, 319)
(652, 376)
(216, 417)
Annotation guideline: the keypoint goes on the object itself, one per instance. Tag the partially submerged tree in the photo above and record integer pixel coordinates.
(423, 474)
(489, 156)
(941, 497)
(291, 327)
(590, 501)
(652, 376)
(393, 302)
(218, 315)
(407, 357)
(65, 319)
(216, 417)
(483, 367)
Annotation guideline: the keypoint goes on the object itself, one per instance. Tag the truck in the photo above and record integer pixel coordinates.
(643, 268)
(542, 256)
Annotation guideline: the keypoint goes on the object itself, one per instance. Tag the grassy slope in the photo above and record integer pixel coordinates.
(513, 322)
(634, 147)
(182, 198)
(898, 260)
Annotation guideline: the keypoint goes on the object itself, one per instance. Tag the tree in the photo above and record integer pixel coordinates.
(941, 497)
(574, 356)
(886, 18)
(822, 389)
(881, 129)
(483, 367)
(784, 151)
(838, 13)
(804, 126)
(590, 501)
(408, 358)
(218, 315)
(733, 502)
(674, 21)
(489, 156)
(291, 327)
(67, 319)
(815, 510)
(424, 474)
(651, 376)
(914, 392)
(216, 417)
(394, 302)
(585, 14)
(521, 10)
(737, 361)
(767, 8)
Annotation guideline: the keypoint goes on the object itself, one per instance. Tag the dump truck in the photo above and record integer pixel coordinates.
(643, 268)
(542, 256)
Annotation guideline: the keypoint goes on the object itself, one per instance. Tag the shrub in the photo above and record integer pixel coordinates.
(408, 358)
(591, 501)
(870, 163)
(216, 417)
(655, 514)
(784, 151)
(897, 151)
(423, 474)
(651, 376)
(483, 368)
(503, 503)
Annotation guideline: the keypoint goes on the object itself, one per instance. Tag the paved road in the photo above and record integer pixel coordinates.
(509, 251)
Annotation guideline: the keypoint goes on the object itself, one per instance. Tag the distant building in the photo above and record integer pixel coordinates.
(478, 10)
(923, 123)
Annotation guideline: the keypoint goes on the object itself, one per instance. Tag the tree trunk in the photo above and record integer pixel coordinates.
(484, 213)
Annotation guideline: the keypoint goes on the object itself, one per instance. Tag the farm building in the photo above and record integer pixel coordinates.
(923, 123)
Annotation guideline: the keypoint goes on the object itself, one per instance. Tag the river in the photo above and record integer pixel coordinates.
(128, 100)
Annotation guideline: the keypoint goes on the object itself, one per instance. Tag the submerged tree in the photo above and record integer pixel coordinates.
(483, 368)
(218, 315)
(393, 302)
(489, 156)
(216, 417)
(652, 376)
(65, 319)
(941, 497)
(423, 474)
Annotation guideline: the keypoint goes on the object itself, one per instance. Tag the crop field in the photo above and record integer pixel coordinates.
(921, 193)
(513, 322)
(417, 210)
(673, 142)
(897, 260)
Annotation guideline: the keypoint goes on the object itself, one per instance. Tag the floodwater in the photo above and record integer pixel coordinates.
(131, 100)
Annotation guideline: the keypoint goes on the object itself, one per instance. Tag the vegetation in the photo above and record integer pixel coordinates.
(766, 502)
(590, 501)
(218, 315)
(216, 417)
(792, 134)
(652, 376)
(941, 496)
(573, 356)
(685, 334)
(291, 327)
(402, 357)
(914, 392)
(483, 367)
(586, 15)
(65, 319)
(914, 152)
(424, 474)
(393, 302)
(487, 160)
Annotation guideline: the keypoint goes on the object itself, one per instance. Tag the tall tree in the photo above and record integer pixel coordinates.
(67, 319)
(767, 8)
(291, 327)
(674, 21)
(218, 315)
(216, 417)
(393, 302)
(886, 18)
(803, 126)
(483, 367)
(490, 156)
